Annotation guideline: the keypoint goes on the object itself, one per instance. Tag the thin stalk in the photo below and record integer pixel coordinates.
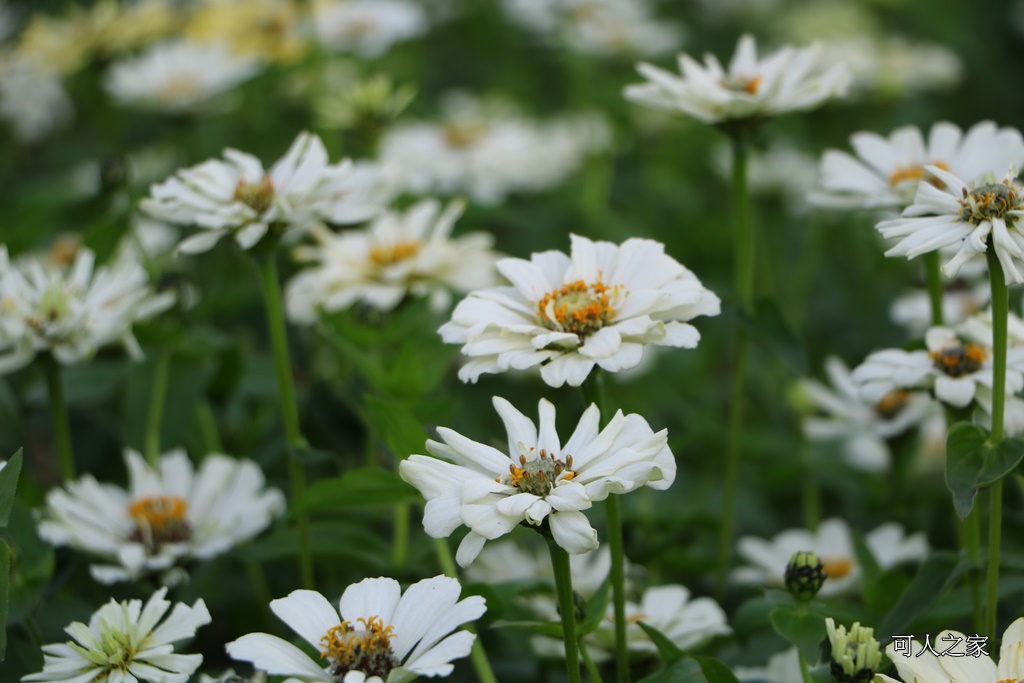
(592, 672)
(1000, 315)
(258, 580)
(157, 399)
(208, 427)
(566, 608)
(59, 412)
(935, 288)
(972, 542)
(400, 538)
(477, 656)
(805, 671)
(743, 239)
(289, 408)
(811, 492)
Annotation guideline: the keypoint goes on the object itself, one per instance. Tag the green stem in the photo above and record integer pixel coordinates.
(59, 411)
(805, 671)
(933, 275)
(811, 491)
(259, 582)
(478, 657)
(157, 398)
(289, 408)
(400, 540)
(1000, 315)
(566, 608)
(592, 672)
(208, 427)
(972, 542)
(743, 240)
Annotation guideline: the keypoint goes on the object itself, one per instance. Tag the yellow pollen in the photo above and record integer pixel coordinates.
(752, 85)
(538, 476)
(65, 249)
(958, 360)
(158, 512)
(344, 644)
(892, 403)
(577, 307)
(390, 255)
(257, 196)
(915, 172)
(837, 567)
(463, 135)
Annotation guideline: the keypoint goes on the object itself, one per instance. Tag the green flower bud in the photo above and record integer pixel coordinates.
(855, 653)
(804, 575)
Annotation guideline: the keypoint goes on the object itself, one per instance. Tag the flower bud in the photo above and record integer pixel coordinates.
(855, 654)
(804, 575)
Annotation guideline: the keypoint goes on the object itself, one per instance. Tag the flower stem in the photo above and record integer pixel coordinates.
(269, 279)
(935, 288)
(208, 427)
(477, 655)
(805, 671)
(157, 398)
(566, 607)
(592, 672)
(972, 541)
(1000, 315)
(743, 239)
(59, 411)
(810, 489)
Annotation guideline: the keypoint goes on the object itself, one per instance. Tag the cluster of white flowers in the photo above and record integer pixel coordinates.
(890, 66)
(32, 97)
(367, 28)
(71, 310)
(598, 27)
(489, 151)
(397, 255)
(165, 518)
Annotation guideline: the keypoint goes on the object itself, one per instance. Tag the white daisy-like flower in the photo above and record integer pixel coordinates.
(509, 561)
(957, 663)
(598, 307)
(398, 255)
(952, 213)
(126, 641)
(861, 427)
(237, 197)
(32, 98)
(885, 172)
(377, 634)
(165, 518)
(178, 76)
(913, 310)
(538, 480)
(833, 543)
(893, 66)
(367, 28)
(791, 79)
(488, 151)
(71, 311)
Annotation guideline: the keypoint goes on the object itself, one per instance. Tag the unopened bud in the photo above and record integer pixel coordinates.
(805, 575)
(855, 653)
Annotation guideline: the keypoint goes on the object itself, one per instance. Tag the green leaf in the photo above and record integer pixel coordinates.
(395, 423)
(8, 485)
(597, 608)
(936, 574)
(5, 581)
(668, 650)
(800, 627)
(356, 489)
(973, 462)
(547, 628)
(715, 670)
(685, 670)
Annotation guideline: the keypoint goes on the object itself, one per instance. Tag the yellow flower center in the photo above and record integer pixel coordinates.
(159, 520)
(892, 403)
(957, 360)
(837, 567)
(914, 172)
(180, 89)
(538, 476)
(64, 250)
(257, 196)
(577, 307)
(364, 646)
(463, 135)
(392, 254)
(741, 84)
(986, 202)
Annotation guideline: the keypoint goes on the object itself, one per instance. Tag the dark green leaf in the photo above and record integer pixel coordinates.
(548, 628)
(685, 670)
(8, 485)
(668, 650)
(597, 608)
(801, 627)
(396, 424)
(973, 462)
(355, 489)
(5, 581)
(936, 574)
(715, 670)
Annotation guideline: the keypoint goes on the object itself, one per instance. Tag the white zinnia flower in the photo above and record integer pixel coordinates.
(237, 197)
(71, 311)
(367, 27)
(165, 518)
(490, 493)
(788, 80)
(957, 215)
(399, 254)
(377, 634)
(960, 664)
(861, 427)
(122, 642)
(886, 171)
(178, 76)
(488, 151)
(32, 98)
(599, 307)
(833, 543)
(893, 66)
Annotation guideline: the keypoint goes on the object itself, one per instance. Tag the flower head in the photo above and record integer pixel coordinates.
(70, 310)
(959, 663)
(237, 198)
(32, 97)
(377, 634)
(367, 28)
(538, 481)
(567, 314)
(805, 574)
(788, 80)
(122, 642)
(165, 518)
(399, 254)
(855, 653)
